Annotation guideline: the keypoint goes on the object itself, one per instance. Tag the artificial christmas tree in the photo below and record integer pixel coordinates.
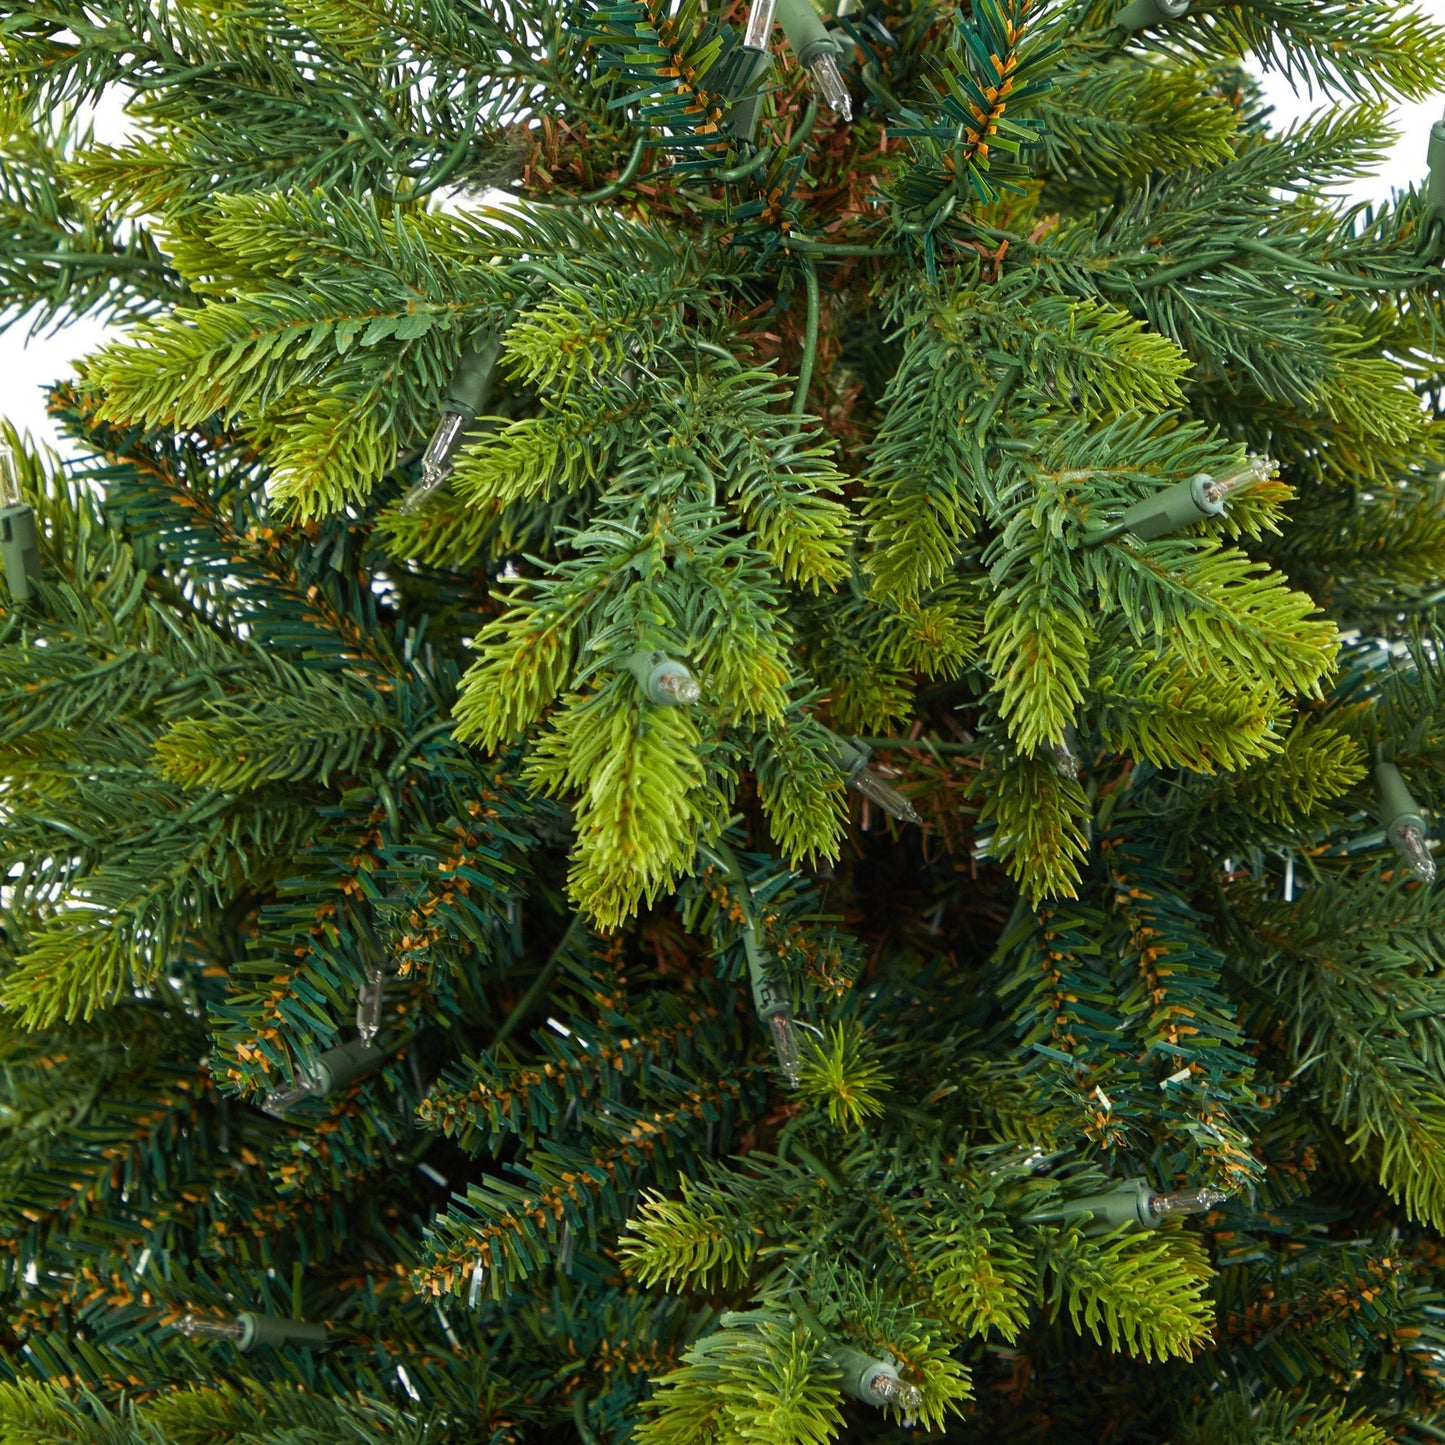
(574, 487)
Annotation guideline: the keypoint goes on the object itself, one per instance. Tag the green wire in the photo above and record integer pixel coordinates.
(870, 77)
(923, 744)
(579, 1419)
(810, 339)
(805, 129)
(804, 247)
(536, 268)
(625, 178)
(934, 216)
(746, 168)
(765, 154)
(524, 1005)
(413, 743)
(448, 168)
(811, 1160)
(1304, 265)
(717, 351)
(1103, 534)
(814, 1325)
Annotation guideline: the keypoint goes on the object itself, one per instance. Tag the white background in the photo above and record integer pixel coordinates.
(28, 363)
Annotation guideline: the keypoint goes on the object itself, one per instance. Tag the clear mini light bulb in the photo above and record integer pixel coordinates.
(817, 50)
(824, 67)
(251, 1329)
(785, 1045)
(1254, 471)
(888, 1389)
(853, 755)
(10, 492)
(336, 1068)
(1132, 1203)
(760, 24)
(1063, 760)
(278, 1101)
(885, 795)
(1404, 822)
(1185, 1201)
(1182, 505)
(1410, 844)
(195, 1327)
(368, 1006)
(466, 394)
(664, 681)
(19, 541)
(679, 688)
(874, 1381)
(436, 461)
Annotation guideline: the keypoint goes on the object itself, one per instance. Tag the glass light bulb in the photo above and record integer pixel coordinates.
(368, 1006)
(192, 1326)
(438, 454)
(678, 687)
(760, 24)
(10, 493)
(420, 491)
(1411, 845)
(278, 1101)
(785, 1043)
(1063, 761)
(1185, 1201)
(1254, 471)
(436, 461)
(888, 1389)
(885, 795)
(830, 81)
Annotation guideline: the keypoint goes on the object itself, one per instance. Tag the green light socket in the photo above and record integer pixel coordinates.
(1397, 809)
(1140, 14)
(663, 680)
(769, 996)
(20, 551)
(859, 1372)
(748, 111)
(1178, 506)
(274, 1332)
(1127, 1202)
(471, 382)
(807, 35)
(1433, 201)
(337, 1067)
(853, 755)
